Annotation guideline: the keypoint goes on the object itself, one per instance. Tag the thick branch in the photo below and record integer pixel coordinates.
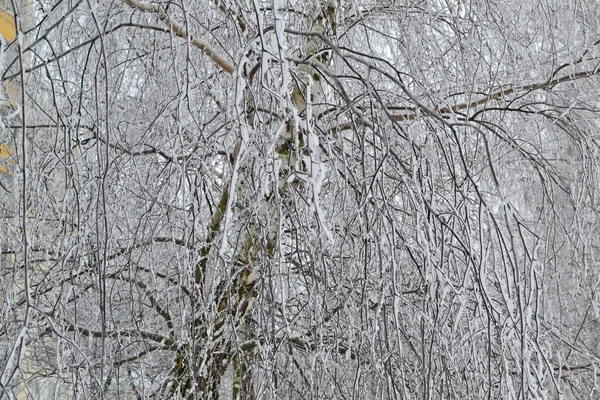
(500, 94)
(180, 31)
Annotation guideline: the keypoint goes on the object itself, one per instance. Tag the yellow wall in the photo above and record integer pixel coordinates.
(9, 33)
(7, 26)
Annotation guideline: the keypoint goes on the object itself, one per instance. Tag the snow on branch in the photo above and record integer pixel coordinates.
(177, 29)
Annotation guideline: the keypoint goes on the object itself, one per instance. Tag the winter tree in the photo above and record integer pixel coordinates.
(320, 199)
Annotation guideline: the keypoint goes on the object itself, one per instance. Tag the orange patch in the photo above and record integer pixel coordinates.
(6, 159)
(7, 26)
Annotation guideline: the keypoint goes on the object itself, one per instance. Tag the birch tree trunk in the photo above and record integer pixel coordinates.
(299, 199)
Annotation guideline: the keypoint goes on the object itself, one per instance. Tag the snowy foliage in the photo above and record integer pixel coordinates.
(300, 199)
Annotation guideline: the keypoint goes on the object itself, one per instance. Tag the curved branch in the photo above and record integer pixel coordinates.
(178, 30)
(500, 94)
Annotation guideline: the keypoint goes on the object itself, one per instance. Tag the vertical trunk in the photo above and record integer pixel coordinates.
(234, 299)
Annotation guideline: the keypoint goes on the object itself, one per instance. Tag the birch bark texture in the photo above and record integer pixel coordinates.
(247, 199)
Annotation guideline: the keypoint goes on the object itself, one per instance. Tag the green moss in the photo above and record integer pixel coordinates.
(241, 23)
(303, 166)
(213, 227)
(270, 249)
(323, 57)
(283, 150)
(300, 139)
(224, 200)
(331, 14)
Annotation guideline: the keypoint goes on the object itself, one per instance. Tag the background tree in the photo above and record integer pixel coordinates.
(290, 199)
